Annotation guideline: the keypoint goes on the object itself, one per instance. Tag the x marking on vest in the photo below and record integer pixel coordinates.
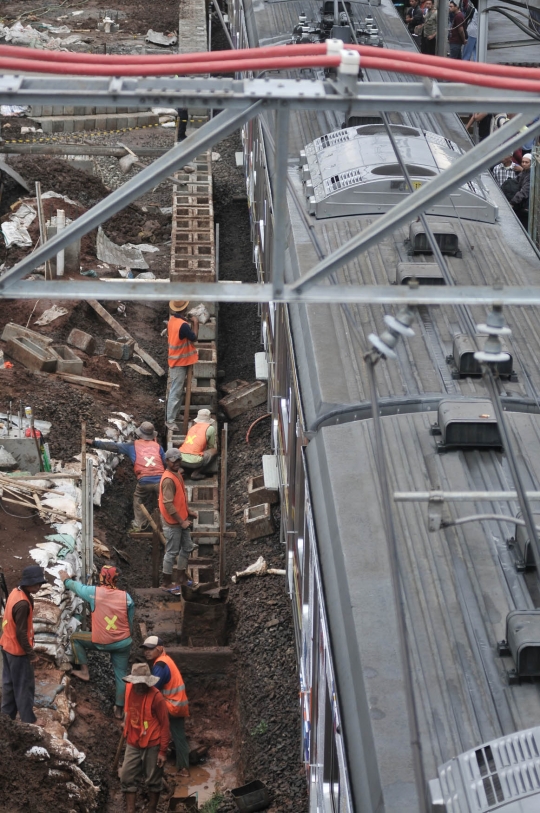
(4, 623)
(190, 439)
(111, 622)
(150, 461)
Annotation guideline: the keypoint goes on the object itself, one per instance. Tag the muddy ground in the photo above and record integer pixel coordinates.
(263, 717)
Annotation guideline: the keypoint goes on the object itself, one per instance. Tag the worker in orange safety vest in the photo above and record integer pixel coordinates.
(171, 684)
(146, 730)
(182, 353)
(113, 611)
(175, 520)
(148, 460)
(199, 448)
(17, 642)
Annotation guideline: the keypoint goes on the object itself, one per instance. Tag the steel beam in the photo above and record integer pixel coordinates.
(467, 166)
(46, 148)
(526, 295)
(279, 199)
(461, 496)
(483, 31)
(220, 93)
(214, 130)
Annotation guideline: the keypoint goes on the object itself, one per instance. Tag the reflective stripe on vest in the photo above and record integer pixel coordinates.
(195, 442)
(9, 640)
(146, 728)
(174, 691)
(182, 352)
(110, 621)
(180, 499)
(148, 461)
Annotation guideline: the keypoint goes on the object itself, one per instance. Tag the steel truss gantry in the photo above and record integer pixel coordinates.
(235, 102)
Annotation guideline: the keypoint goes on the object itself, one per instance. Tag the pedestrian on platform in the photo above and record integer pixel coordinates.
(17, 642)
(456, 30)
(199, 448)
(112, 611)
(146, 730)
(428, 42)
(182, 354)
(148, 460)
(175, 515)
(171, 685)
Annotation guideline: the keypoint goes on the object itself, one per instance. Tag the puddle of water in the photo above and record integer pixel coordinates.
(204, 779)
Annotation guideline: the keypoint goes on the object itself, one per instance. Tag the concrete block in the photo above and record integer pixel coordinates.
(46, 110)
(78, 111)
(258, 521)
(122, 122)
(36, 110)
(244, 398)
(13, 331)
(58, 110)
(111, 123)
(33, 356)
(25, 452)
(68, 110)
(47, 125)
(89, 123)
(82, 341)
(101, 123)
(121, 349)
(58, 125)
(204, 393)
(207, 519)
(206, 366)
(78, 125)
(69, 125)
(68, 361)
(206, 497)
(258, 493)
(233, 385)
(208, 331)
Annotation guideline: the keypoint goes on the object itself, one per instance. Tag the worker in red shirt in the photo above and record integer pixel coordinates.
(146, 730)
(17, 642)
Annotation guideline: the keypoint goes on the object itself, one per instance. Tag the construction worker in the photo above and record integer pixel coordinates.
(171, 684)
(182, 354)
(112, 620)
(199, 448)
(175, 515)
(146, 730)
(17, 642)
(148, 460)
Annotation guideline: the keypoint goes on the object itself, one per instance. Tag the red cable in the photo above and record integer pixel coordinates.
(380, 63)
(314, 49)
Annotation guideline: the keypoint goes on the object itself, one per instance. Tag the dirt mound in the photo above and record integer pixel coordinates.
(59, 176)
(30, 785)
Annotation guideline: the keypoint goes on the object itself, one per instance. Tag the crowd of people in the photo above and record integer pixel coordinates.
(421, 20)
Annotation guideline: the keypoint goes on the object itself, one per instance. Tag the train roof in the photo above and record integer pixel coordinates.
(459, 584)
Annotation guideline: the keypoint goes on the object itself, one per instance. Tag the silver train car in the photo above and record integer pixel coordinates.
(466, 586)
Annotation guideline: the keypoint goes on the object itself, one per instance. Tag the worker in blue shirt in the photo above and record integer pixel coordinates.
(148, 460)
(113, 611)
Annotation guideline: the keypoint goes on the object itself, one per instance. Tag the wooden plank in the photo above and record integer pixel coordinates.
(121, 331)
(87, 382)
(223, 503)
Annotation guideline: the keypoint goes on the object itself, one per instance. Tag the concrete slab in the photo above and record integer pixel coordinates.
(24, 451)
(33, 356)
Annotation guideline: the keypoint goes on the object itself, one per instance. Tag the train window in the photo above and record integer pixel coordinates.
(331, 765)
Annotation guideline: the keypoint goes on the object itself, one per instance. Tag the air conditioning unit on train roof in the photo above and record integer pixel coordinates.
(444, 233)
(520, 545)
(464, 364)
(466, 424)
(500, 775)
(355, 171)
(423, 273)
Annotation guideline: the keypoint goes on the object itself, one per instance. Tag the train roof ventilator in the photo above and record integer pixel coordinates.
(520, 546)
(422, 273)
(501, 775)
(522, 643)
(463, 362)
(466, 424)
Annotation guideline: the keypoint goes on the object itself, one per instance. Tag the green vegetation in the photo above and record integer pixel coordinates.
(212, 805)
(259, 729)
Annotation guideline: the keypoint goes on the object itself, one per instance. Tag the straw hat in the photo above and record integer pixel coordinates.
(140, 673)
(203, 416)
(177, 306)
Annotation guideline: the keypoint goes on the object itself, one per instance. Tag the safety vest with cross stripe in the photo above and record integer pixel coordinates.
(110, 622)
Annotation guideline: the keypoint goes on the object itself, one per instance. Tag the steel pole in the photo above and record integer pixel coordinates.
(534, 197)
(483, 31)
(279, 197)
(483, 155)
(442, 27)
(214, 130)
